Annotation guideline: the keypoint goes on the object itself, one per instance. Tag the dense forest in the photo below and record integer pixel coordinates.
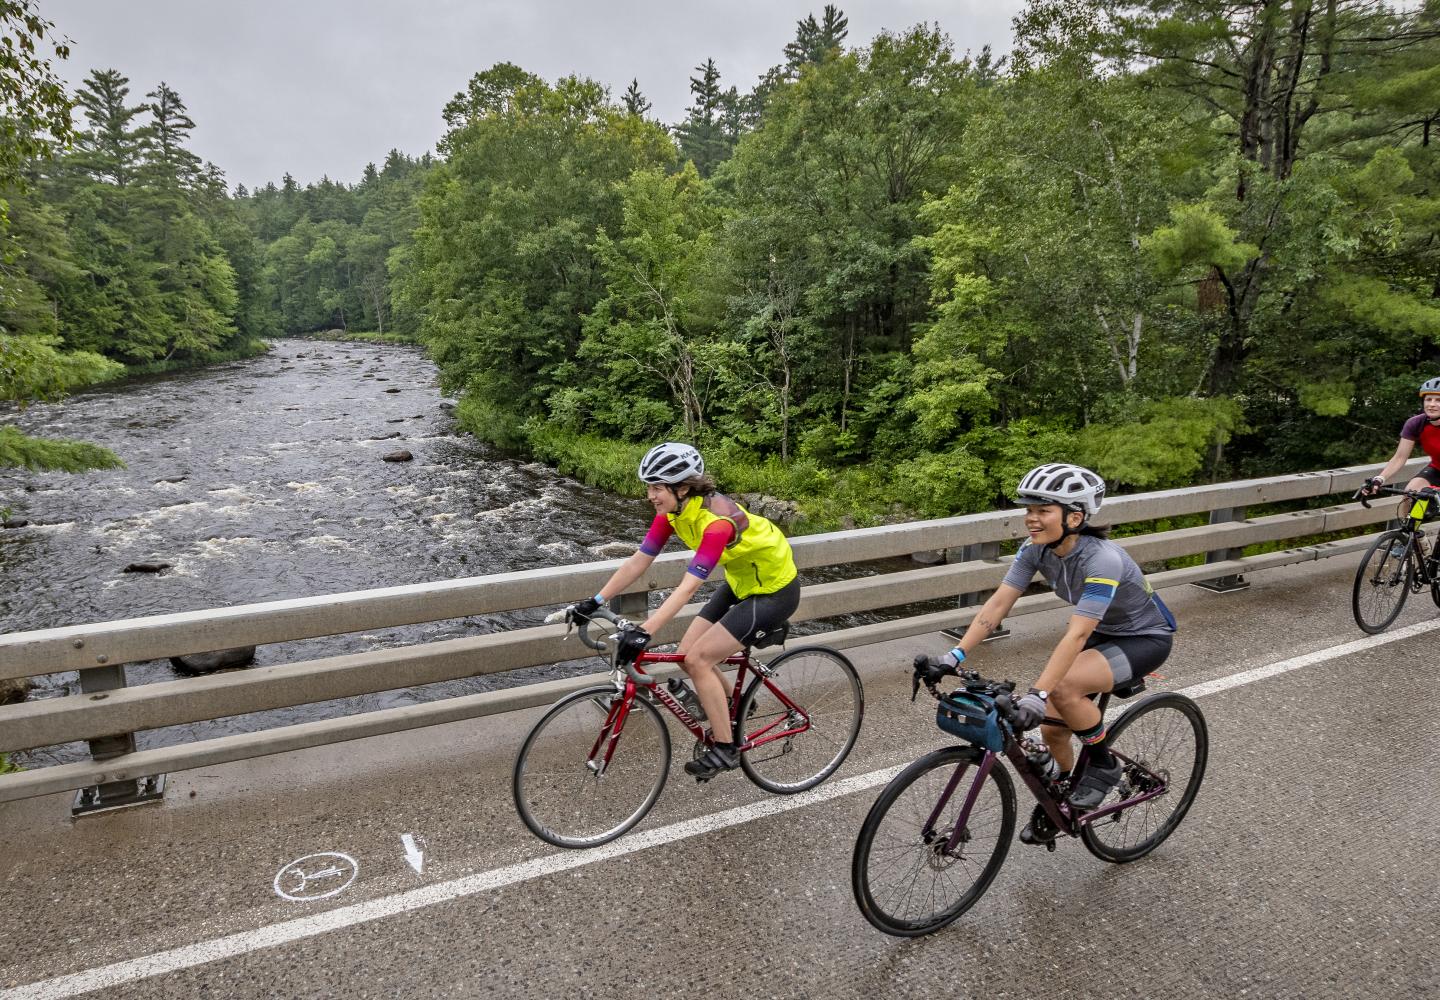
(1172, 240)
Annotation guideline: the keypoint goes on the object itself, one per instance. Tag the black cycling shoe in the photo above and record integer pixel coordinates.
(1039, 830)
(1094, 785)
(718, 758)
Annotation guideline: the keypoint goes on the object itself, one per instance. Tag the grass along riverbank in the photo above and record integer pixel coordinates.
(360, 336)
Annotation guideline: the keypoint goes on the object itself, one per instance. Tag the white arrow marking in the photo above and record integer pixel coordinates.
(413, 854)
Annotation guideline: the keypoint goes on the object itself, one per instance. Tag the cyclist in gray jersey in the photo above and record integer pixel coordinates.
(1120, 629)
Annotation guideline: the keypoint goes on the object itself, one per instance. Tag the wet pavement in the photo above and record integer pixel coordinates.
(1305, 868)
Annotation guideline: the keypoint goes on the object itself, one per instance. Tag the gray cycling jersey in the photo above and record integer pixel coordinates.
(1101, 580)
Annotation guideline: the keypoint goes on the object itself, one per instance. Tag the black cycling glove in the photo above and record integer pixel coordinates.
(632, 643)
(587, 607)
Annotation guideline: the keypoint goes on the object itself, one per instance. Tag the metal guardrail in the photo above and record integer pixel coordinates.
(110, 711)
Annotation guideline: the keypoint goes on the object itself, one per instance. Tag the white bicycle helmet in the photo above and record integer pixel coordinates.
(1430, 387)
(671, 463)
(1068, 485)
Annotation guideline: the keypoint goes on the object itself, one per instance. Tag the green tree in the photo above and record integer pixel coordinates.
(34, 122)
(709, 130)
(503, 258)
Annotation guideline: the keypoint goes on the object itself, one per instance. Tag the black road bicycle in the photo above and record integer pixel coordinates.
(1396, 564)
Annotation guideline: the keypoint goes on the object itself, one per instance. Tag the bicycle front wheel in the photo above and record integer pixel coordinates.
(1165, 736)
(821, 684)
(569, 798)
(905, 880)
(1382, 583)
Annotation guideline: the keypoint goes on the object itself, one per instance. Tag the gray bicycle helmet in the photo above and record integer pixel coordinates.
(1068, 485)
(1430, 387)
(671, 463)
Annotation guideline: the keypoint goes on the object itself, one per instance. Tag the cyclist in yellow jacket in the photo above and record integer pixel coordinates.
(760, 592)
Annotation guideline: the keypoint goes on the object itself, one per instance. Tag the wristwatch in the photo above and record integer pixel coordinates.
(1042, 695)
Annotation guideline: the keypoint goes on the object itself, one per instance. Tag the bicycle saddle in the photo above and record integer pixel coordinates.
(774, 637)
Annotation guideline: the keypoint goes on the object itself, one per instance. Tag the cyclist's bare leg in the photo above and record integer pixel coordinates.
(698, 627)
(1418, 483)
(1090, 674)
(702, 664)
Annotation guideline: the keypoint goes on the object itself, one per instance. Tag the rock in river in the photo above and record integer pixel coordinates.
(399, 456)
(219, 659)
(147, 567)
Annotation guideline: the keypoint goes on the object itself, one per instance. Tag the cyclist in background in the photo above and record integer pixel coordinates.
(1424, 427)
(1120, 629)
(760, 592)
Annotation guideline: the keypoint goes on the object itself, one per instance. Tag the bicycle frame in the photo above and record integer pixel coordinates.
(1427, 567)
(1057, 810)
(614, 725)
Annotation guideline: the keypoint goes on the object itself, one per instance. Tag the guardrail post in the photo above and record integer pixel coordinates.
(974, 553)
(97, 683)
(635, 607)
(1235, 581)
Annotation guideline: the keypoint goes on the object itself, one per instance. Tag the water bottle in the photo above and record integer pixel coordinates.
(1038, 754)
(686, 697)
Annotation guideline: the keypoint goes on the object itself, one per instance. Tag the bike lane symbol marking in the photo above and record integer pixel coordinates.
(316, 876)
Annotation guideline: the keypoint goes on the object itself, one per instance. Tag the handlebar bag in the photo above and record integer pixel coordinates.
(971, 717)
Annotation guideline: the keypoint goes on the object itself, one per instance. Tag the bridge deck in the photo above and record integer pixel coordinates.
(1304, 870)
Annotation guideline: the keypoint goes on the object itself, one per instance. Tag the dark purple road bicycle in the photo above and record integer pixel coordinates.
(936, 837)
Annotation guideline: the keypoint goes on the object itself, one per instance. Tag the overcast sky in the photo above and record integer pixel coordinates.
(321, 87)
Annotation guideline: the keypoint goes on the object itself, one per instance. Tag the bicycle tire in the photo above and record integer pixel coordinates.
(826, 686)
(1154, 740)
(1381, 586)
(899, 876)
(560, 799)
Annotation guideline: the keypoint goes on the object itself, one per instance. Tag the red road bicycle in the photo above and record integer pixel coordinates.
(578, 783)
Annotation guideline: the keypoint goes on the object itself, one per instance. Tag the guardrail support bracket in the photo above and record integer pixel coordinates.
(118, 795)
(1235, 581)
(113, 794)
(973, 553)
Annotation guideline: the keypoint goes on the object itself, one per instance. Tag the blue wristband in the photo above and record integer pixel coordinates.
(599, 601)
(957, 655)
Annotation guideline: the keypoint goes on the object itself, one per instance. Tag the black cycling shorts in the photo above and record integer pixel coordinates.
(755, 614)
(1131, 656)
(1430, 474)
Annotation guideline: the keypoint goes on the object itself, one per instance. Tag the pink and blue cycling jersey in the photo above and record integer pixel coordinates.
(707, 556)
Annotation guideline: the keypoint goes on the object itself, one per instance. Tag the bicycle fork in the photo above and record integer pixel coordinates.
(961, 833)
(604, 746)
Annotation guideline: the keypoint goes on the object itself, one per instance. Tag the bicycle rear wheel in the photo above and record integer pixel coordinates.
(1166, 735)
(1382, 583)
(904, 881)
(558, 792)
(825, 687)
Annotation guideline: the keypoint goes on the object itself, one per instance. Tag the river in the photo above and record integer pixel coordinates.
(263, 479)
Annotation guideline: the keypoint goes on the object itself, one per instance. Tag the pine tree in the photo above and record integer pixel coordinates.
(110, 149)
(165, 138)
(634, 101)
(816, 41)
(702, 134)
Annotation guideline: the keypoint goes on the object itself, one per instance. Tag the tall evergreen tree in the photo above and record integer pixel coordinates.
(634, 101)
(110, 149)
(703, 135)
(816, 41)
(165, 138)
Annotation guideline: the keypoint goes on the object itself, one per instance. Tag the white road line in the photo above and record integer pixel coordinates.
(192, 955)
(1307, 659)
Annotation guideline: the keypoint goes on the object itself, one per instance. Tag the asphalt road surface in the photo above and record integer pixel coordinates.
(1306, 868)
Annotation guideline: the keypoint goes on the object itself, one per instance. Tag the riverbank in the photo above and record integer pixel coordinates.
(822, 499)
(246, 349)
(360, 337)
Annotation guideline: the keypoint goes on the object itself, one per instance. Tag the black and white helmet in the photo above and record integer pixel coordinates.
(671, 463)
(1430, 386)
(1067, 485)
